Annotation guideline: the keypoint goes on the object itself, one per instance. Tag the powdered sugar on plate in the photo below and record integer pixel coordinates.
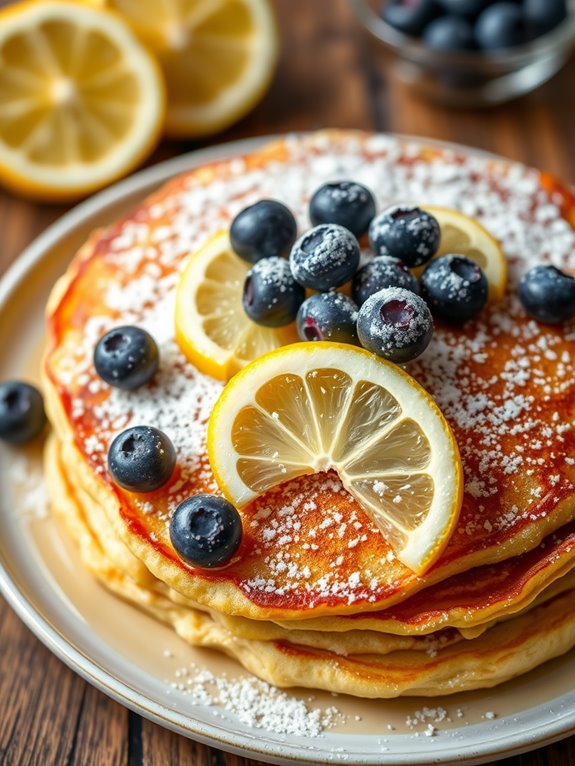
(261, 706)
(255, 703)
(28, 484)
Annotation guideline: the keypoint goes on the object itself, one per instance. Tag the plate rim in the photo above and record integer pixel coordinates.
(507, 744)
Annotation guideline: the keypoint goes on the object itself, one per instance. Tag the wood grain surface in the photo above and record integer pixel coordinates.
(329, 75)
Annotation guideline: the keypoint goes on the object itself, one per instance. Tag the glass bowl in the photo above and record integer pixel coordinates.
(469, 78)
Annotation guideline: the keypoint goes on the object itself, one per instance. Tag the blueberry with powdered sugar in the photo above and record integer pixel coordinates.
(405, 232)
(328, 316)
(346, 203)
(263, 230)
(548, 294)
(126, 357)
(396, 324)
(271, 295)
(206, 531)
(141, 459)
(325, 257)
(379, 273)
(454, 287)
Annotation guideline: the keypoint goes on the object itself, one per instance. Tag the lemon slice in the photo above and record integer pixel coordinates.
(81, 101)
(466, 236)
(218, 57)
(312, 407)
(212, 328)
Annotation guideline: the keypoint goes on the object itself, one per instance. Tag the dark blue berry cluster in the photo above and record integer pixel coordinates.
(398, 323)
(205, 531)
(324, 258)
(142, 458)
(460, 25)
(386, 308)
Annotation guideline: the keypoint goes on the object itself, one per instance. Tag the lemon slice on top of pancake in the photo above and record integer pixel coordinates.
(212, 328)
(464, 235)
(313, 407)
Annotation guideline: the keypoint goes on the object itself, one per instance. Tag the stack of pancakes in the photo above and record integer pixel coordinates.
(315, 596)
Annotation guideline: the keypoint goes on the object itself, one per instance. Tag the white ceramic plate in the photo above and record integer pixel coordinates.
(133, 659)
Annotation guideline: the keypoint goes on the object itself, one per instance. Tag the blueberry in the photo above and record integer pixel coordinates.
(325, 257)
(404, 232)
(141, 459)
(271, 295)
(328, 316)
(502, 25)
(409, 16)
(464, 7)
(263, 230)
(454, 287)
(126, 357)
(396, 324)
(206, 531)
(548, 294)
(346, 203)
(449, 33)
(383, 271)
(22, 415)
(544, 15)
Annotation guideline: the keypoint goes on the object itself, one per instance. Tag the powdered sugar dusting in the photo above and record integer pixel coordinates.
(29, 485)
(255, 703)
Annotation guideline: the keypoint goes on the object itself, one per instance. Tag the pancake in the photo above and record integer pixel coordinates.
(113, 566)
(359, 662)
(470, 601)
(504, 382)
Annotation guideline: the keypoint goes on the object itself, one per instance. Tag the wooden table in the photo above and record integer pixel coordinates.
(328, 76)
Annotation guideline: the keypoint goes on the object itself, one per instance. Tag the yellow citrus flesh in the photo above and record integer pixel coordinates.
(218, 57)
(312, 407)
(81, 100)
(466, 236)
(212, 328)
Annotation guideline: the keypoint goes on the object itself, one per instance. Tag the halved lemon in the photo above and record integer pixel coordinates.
(312, 407)
(466, 236)
(81, 100)
(212, 328)
(218, 57)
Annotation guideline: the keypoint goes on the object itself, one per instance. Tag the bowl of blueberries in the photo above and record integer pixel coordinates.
(471, 52)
